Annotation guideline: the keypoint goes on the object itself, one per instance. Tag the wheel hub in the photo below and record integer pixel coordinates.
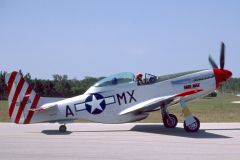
(193, 126)
(171, 121)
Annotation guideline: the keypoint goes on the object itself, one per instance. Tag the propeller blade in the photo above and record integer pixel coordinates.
(212, 63)
(222, 56)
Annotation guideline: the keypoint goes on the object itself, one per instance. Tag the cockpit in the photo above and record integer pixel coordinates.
(124, 78)
(116, 79)
(149, 79)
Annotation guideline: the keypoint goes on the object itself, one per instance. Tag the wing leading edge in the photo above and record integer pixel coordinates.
(156, 102)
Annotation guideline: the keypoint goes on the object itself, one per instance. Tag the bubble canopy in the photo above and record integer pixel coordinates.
(120, 78)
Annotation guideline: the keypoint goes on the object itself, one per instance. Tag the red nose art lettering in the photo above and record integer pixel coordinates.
(191, 86)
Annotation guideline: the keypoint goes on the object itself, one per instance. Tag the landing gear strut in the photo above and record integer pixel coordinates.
(63, 128)
(191, 123)
(169, 120)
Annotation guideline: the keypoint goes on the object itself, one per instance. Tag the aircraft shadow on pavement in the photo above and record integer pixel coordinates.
(224, 129)
(154, 129)
(159, 129)
(55, 132)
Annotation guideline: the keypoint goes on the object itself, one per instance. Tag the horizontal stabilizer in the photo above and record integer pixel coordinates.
(45, 107)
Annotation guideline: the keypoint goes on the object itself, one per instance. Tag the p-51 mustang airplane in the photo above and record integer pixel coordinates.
(118, 98)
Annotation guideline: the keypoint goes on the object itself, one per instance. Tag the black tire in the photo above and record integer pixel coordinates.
(193, 127)
(170, 121)
(62, 128)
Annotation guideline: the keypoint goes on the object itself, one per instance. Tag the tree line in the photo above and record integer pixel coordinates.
(61, 86)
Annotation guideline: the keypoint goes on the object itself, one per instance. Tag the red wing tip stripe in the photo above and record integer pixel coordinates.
(23, 104)
(31, 112)
(188, 92)
(16, 94)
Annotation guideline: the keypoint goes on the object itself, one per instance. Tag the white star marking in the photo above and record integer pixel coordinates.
(95, 104)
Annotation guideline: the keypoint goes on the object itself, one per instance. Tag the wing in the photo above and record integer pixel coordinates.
(156, 102)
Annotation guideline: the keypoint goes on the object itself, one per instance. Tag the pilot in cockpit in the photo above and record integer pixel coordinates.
(139, 79)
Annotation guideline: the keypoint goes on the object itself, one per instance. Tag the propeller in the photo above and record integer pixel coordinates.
(222, 58)
(212, 62)
(221, 74)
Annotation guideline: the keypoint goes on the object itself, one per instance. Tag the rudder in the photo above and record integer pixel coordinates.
(21, 98)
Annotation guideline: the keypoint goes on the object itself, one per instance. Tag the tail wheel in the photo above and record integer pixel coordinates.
(194, 127)
(62, 128)
(170, 121)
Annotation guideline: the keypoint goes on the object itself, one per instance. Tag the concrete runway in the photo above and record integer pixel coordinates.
(86, 141)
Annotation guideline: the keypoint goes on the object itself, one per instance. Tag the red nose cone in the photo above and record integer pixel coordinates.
(221, 76)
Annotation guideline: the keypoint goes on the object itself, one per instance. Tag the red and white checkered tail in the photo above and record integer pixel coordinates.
(21, 98)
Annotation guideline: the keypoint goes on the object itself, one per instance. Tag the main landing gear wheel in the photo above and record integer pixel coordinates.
(194, 127)
(63, 128)
(170, 121)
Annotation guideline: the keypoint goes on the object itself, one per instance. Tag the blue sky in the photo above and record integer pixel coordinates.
(99, 38)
